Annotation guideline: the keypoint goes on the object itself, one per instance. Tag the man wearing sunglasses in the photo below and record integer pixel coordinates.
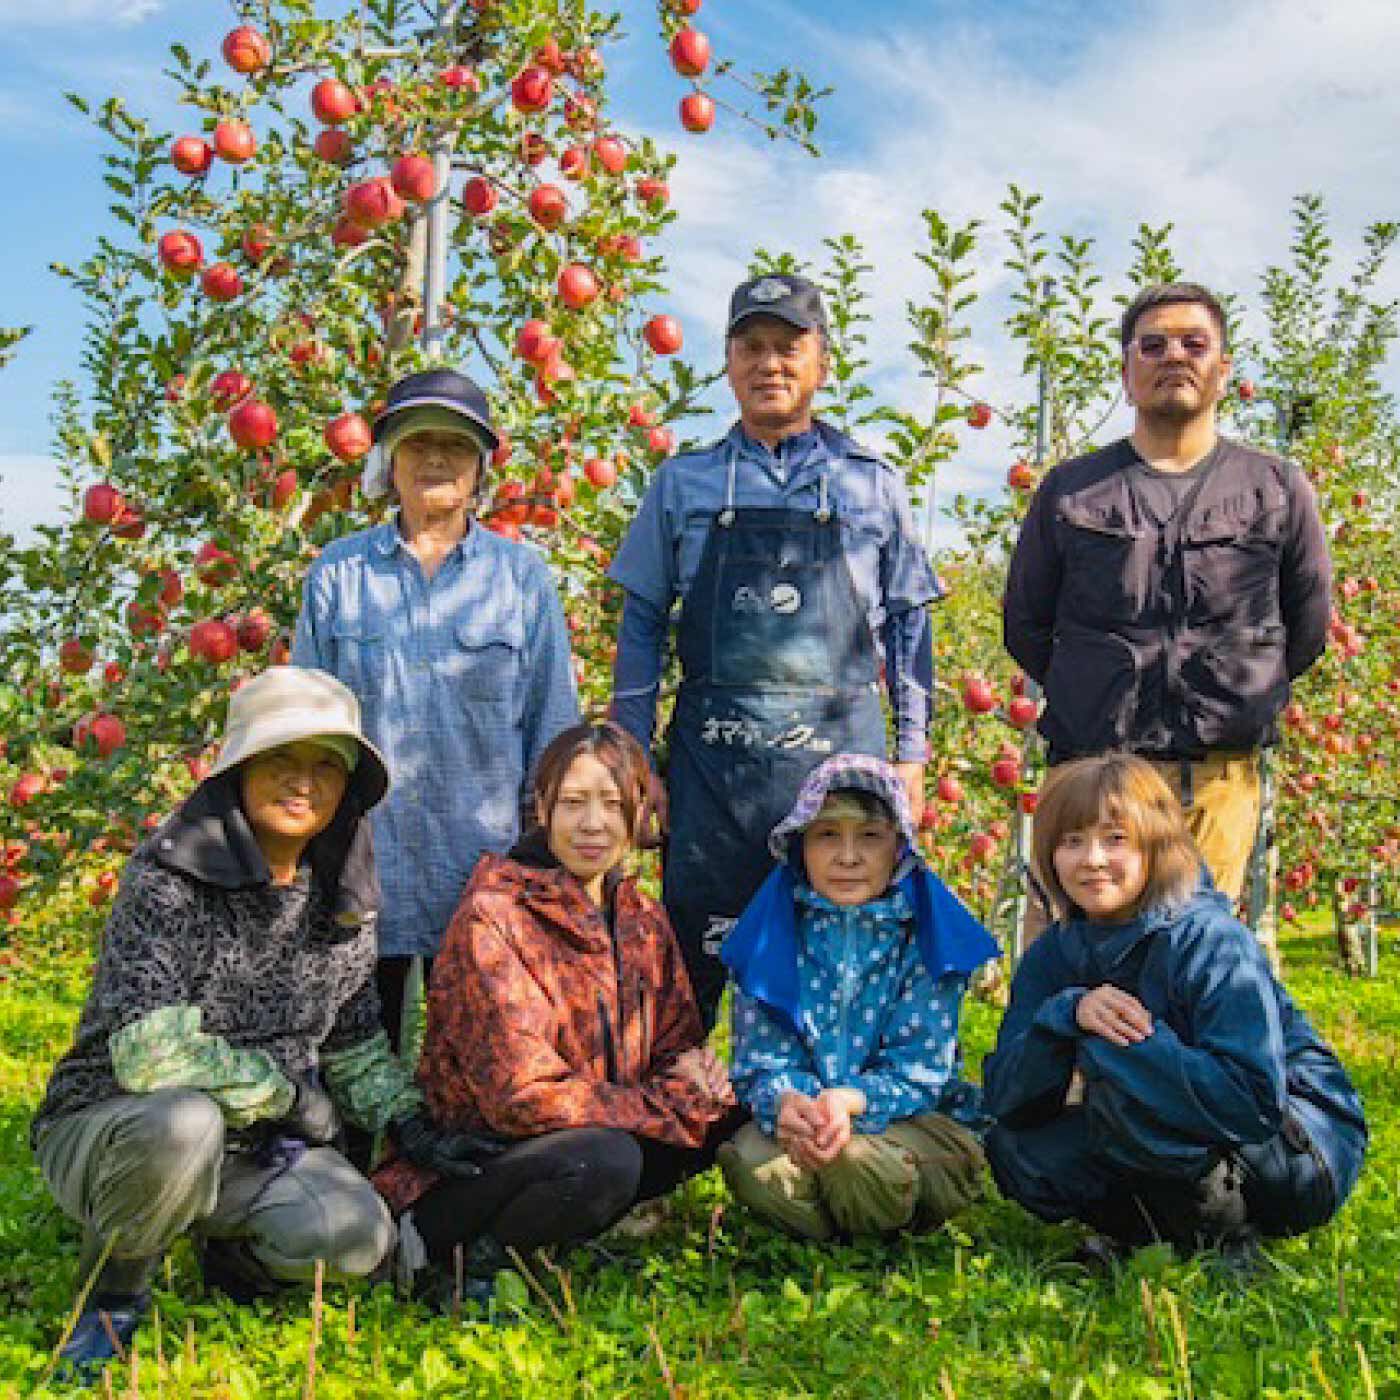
(1166, 589)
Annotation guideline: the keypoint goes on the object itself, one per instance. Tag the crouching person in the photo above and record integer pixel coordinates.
(1204, 1107)
(232, 1011)
(562, 1035)
(850, 966)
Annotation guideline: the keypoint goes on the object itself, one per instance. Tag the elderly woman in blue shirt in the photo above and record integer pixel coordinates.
(454, 641)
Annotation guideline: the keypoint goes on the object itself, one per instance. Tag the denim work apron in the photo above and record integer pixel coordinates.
(779, 672)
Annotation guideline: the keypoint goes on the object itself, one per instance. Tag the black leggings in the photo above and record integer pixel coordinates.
(558, 1188)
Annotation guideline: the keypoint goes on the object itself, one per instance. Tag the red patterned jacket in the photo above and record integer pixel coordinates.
(541, 1018)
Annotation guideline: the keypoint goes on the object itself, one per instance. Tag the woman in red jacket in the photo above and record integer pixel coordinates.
(561, 1026)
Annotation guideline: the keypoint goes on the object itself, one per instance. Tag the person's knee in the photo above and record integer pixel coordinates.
(872, 1187)
(601, 1176)
(349, 1230)
(179, 1132)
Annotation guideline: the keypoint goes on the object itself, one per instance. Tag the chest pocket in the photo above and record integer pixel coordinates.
(1109, 564)
(694, 532)
(360, 658)
(1231, 558)
(485, 658)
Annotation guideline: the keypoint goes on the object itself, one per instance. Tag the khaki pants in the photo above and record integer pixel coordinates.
(1220, 795)
(144, 1168)
(915, 1175)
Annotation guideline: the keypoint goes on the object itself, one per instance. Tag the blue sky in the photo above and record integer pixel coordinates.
(1115, 112)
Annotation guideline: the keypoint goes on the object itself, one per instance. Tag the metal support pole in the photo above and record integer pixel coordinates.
(1021, 835)
(435, 269)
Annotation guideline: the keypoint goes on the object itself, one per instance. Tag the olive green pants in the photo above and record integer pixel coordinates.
(915, 1175)
(141, 1169)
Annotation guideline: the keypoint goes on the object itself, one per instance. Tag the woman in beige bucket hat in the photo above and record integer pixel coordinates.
(232, 1018)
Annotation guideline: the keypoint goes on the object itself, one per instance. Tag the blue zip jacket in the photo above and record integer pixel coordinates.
(1230, 1057)
(866, 996)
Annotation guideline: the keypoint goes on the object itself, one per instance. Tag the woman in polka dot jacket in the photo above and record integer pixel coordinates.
(850, 965)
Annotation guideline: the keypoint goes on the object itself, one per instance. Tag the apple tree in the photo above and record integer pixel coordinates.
(352, 198)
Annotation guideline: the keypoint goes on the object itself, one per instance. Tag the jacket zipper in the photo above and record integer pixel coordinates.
(845, 999)
(609, 1046)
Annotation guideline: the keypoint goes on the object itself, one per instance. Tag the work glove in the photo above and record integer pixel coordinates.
(459, 1154)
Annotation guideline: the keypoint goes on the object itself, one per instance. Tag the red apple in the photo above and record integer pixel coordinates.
(978, 696)
(532, 89)
(460, 77)
(534, 343)
(548, 206)
(74, 657)
(611, 154)
(130, 524)
(1028, 802)
(1021, 710)
(25, 789)
(109, 734)
(1006, 772)
(254, 630)
(533, 147)
(256, 242)
(333, 145)
(578, 286)
(180, 252)
(213, 640)
(228, 387)
(663, 334)
(214, 565)
(479, 196)
(348, 234)
(234, 141)
(191, 155)
(9, 891)
(640, 416)
(981, 846)
(333, 102)
(413, 178)
(284, 486)
(246, 50)
(979, 415)
(349, 437)
(600, 472)
(1246, 390)
(372, 203)
(697, 111)
(690, 53)
(550, 57)
(221, 282)
(102, 503)
(949, 789)
(510, 506)
(653, 192)
(252, 424)
(573, 163)
(1020, 476)
(662, 441)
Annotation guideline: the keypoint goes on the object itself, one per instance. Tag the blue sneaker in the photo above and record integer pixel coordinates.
(104, 1330)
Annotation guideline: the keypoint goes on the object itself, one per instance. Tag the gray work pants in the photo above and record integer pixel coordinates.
(144, 1168)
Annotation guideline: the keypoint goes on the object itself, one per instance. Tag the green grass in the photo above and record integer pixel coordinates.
(718, 1306)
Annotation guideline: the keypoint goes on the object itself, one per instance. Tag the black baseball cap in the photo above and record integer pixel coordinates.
(438, 388)
(782, 294)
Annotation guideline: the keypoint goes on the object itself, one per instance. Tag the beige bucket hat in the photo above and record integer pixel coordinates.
(288, 703)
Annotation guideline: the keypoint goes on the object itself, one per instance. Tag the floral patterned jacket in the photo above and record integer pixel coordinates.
(545, 1014)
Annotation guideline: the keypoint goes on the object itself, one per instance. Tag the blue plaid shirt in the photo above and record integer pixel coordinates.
(464, 678)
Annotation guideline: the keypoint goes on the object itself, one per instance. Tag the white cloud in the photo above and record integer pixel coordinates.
(30, 493)
(1146, 120)
(55, 14)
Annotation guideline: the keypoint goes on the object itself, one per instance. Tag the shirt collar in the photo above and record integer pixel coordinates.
(388, 538)
(792, 452)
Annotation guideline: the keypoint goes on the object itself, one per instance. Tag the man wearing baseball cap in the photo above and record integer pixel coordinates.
(793, 554)
(453, 639)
